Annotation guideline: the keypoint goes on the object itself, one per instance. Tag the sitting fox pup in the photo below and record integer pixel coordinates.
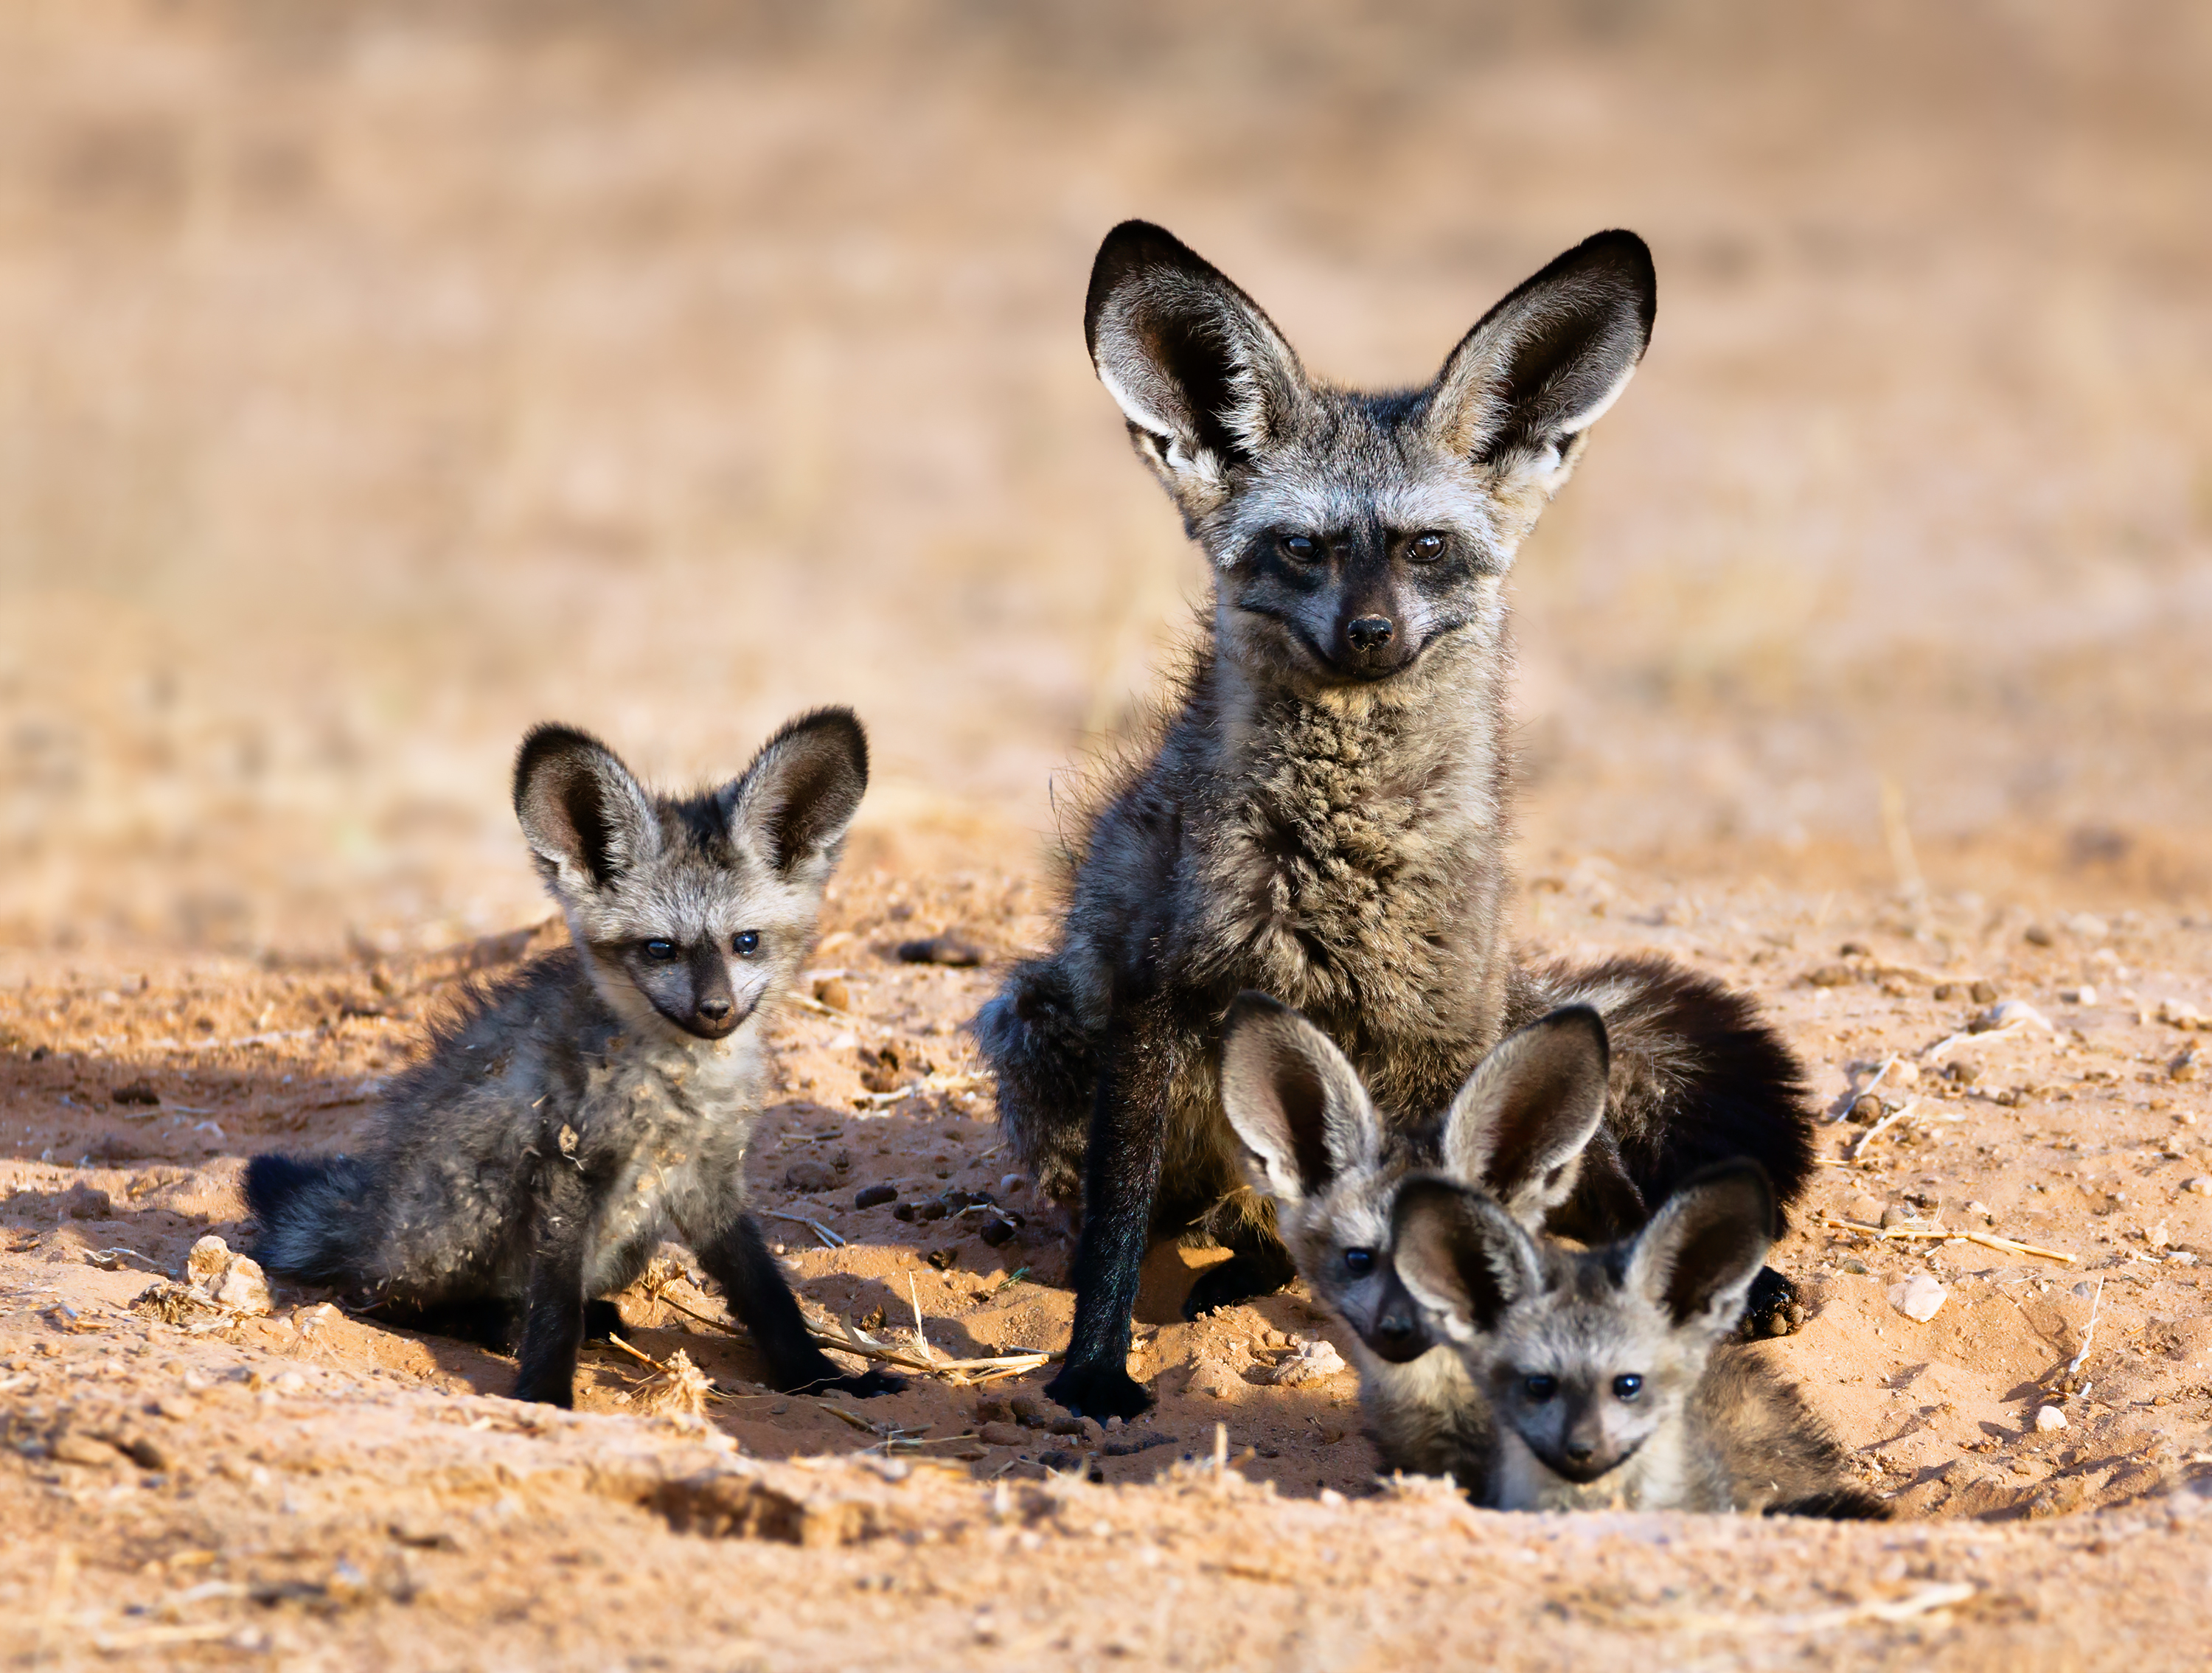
(1603, 1372)
(568, 1119)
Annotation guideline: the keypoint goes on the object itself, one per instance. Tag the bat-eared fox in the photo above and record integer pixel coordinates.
(567, 1119)
(1323, 814)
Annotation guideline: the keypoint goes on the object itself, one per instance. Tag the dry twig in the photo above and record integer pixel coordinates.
(1931, 1234)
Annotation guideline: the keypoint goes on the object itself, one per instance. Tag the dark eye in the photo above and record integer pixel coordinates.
(660, 951)
(1359, 1262)
(1425, 548)
(1627, 1387)
(1540, 1388)
(745, 943)
(1301, 548)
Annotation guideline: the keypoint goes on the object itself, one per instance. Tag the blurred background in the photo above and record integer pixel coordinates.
(377, 380)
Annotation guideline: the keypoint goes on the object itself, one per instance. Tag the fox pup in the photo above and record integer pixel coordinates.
(1604, 1371)
(568, 1118)
(1521, 1125)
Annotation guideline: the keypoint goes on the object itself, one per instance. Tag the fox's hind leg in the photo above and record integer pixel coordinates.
(1258, 1264)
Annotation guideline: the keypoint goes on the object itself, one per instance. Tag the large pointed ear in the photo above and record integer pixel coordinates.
(1294, 1100)
(1203, 376)
(1696, 1260)
(1461, 1255)
(1542, 366)
(586, 817)
(802, 790)
(1519, 1126)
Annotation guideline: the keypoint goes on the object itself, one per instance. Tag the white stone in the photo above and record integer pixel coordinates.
(2158, 1236)
(2050, 1418)
(1919, 1297)
(209, 1259)
(2084, 995)
(244, 1288)
(1309, 1362)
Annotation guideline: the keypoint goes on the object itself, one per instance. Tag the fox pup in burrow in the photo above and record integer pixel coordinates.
(1521, 1127)
(1607, 1372)
(1323, 816)
(567, 1119)
(1679, 1061)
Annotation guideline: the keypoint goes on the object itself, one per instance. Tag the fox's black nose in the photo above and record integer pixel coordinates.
(715, 1009)
(1369, 631)
(1582, 1452)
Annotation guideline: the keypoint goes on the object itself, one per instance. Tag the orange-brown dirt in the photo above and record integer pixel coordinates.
(377, 380)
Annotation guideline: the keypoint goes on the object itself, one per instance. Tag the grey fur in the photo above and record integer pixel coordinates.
(567, 1119)
(1323, 819)
(1604, 1374)
(1316, 1148)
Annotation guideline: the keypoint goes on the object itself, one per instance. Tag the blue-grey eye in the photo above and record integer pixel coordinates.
(1627, 1387)
(1359, 1262)
(746, 943)
(1425, 548)
(1540, 1388)
(659, 951)
(1301, 548)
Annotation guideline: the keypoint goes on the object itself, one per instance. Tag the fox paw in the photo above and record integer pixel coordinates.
(1099, 1391)
(865, 1385)
(1775, 1308)
(1237, 1279)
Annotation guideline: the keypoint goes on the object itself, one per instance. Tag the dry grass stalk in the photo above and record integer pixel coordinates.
(830, 1239)
(1930, 1234)
(928, 1083)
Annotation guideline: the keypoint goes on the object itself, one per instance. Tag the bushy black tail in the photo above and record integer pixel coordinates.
(311, 1216)
(1698, 1075)
(1047, 1066)
(1840, 1505)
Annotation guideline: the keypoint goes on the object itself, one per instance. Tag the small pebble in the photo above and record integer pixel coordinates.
(810, 1175)
(873, 1196)
(1982, 992)
(2084, 995)
(832, 992)
(2037, 935)
(1981, 1208)
(950, 951)
(1832, 975)
(2050, 1418)
(1919, 1297)
(2158, 1236)
(1010, 1183)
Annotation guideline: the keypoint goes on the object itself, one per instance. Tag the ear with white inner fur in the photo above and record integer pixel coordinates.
(802, 789)
(1542, 366)
(1294, 1100)
(1696, 1260)
(1200, 372)
(586, 817)
(1519, 1126)
(1461, 1255)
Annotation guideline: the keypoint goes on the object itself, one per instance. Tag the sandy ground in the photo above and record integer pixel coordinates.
(322, 1490)
(377, 380)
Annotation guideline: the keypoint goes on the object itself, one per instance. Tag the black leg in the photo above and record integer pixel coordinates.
(553, 1326)
(738, 1260)
(1128, 1138)
(1776, 1309)
(1258, 1264)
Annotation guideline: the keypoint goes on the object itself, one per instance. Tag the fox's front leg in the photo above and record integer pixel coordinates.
(738, 1261)
(1121, 1181)
(553, 1322)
